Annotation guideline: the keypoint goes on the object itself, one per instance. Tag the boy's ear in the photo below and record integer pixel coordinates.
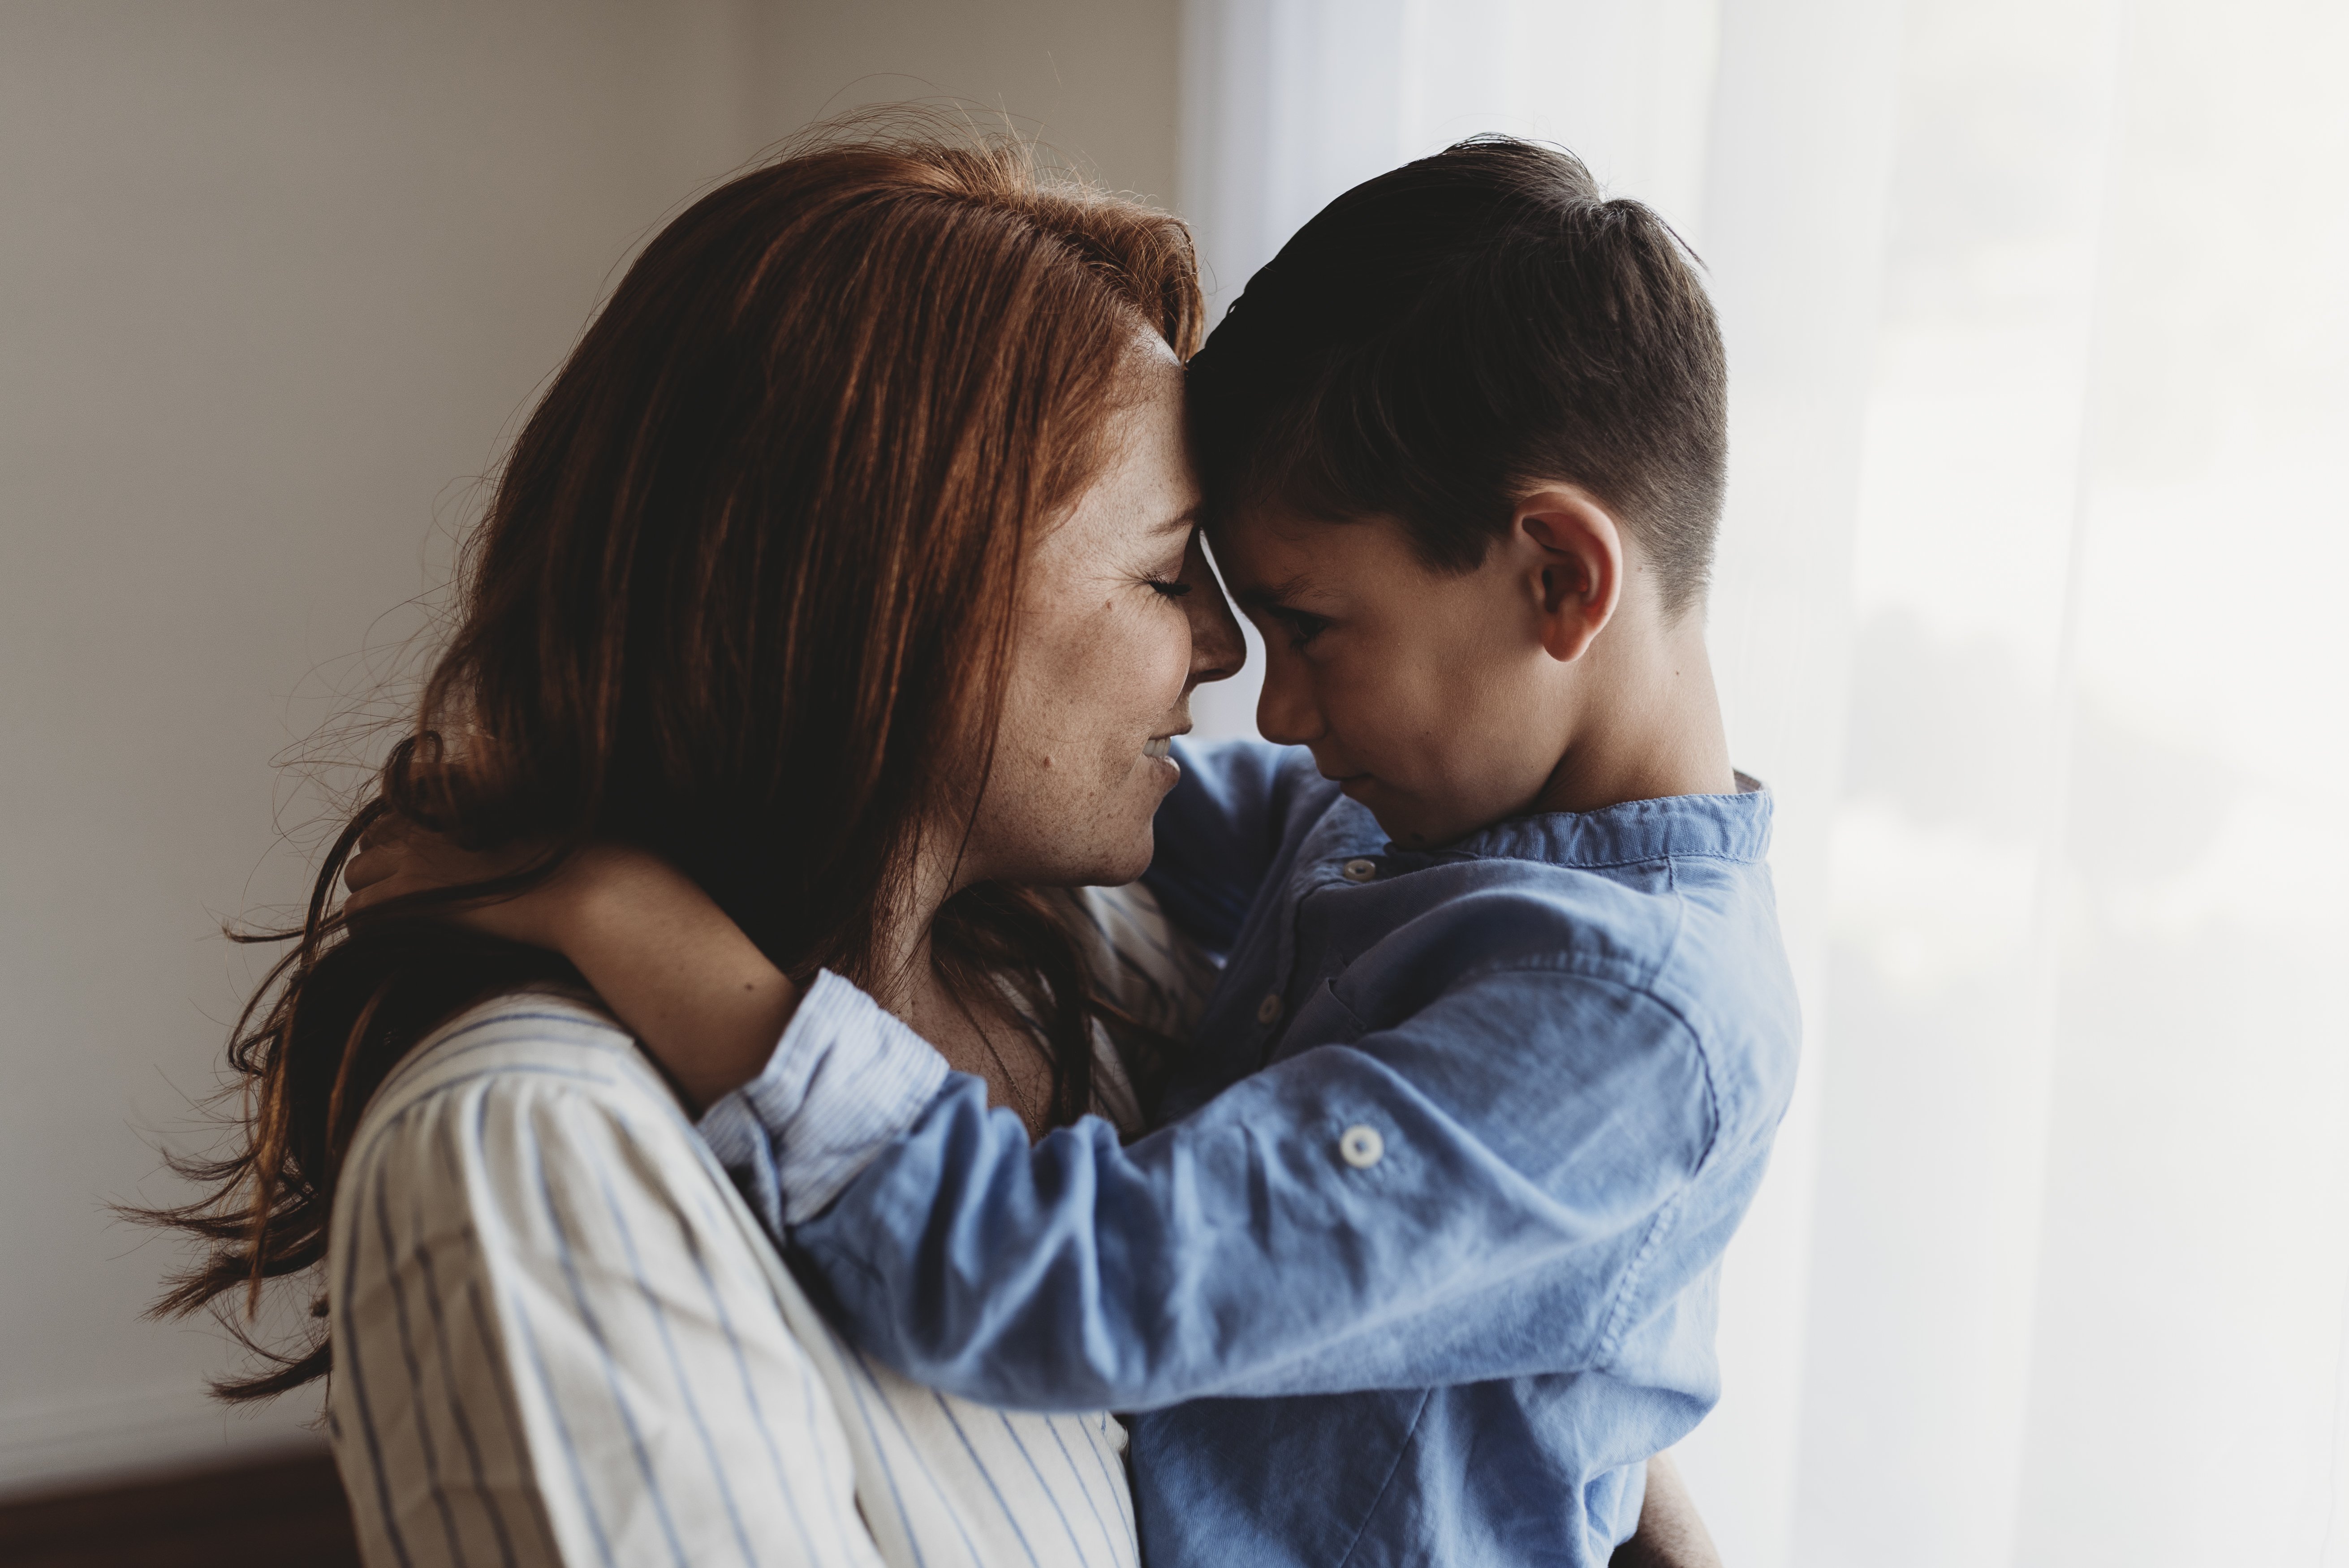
(1573, 550)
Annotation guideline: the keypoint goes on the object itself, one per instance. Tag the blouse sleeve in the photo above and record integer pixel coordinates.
(552, 1347)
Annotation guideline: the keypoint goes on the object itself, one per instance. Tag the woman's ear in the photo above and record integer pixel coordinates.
(1573, 551)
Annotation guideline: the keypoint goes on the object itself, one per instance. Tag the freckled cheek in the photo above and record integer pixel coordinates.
(1127, 678)
(1159, 662)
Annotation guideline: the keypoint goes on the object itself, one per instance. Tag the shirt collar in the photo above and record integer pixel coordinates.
(1723, 827)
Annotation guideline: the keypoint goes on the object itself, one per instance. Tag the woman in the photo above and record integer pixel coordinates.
(849, 563)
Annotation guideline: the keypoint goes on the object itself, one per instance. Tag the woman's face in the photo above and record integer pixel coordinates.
(1119, 617)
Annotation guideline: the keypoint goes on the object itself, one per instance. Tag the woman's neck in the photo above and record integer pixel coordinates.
(980, 1035)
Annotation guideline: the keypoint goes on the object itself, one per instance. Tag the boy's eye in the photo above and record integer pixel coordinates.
(1301, 628)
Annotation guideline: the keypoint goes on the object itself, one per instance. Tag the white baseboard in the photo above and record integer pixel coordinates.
(101, 1438)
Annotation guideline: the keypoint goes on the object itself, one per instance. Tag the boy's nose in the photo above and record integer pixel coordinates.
(1286, 713)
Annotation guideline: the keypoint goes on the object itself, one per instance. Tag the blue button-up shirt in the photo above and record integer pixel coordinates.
(1427, 1270)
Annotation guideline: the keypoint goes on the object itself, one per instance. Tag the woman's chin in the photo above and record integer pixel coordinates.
(1114, 866)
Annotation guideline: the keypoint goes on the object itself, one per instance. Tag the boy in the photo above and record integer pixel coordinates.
(1526, 1023)
(1421, 1268)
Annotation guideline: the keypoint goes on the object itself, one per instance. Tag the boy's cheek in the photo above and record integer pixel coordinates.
(1286, 691)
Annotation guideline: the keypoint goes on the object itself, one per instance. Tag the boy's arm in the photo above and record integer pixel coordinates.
(1357, 1216)
(660, 952)
(1218, 833)
(1670, 1533)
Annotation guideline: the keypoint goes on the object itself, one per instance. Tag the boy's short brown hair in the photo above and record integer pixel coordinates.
(1443, 337)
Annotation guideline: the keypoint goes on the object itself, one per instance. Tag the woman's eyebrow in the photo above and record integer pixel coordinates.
(1188, 519)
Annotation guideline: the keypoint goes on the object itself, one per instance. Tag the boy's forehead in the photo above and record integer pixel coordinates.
(1276, 519)
(1274, 552)
(1264, 551)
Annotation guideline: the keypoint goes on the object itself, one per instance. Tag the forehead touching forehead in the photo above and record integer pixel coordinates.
(1150, 442)
(1145, 489)
(1278, 555)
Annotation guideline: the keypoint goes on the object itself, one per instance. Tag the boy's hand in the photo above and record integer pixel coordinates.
(1671, 1535)
(663, 958)
(396, 858)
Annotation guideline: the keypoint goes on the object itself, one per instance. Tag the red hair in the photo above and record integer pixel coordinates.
(742, 595)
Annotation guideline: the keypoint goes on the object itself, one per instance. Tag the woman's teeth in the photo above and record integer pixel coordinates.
(1159, 745)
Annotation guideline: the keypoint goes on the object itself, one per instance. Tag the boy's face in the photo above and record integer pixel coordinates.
(1430, 697)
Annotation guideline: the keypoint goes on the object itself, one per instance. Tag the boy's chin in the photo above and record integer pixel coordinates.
(1405, 828)
(1411, 824)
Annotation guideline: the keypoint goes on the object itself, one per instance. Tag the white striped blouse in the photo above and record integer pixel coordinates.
(561, 1337)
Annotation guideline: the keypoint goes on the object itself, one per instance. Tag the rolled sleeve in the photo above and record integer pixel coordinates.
(846, 1079)
(1219, 831)
(1396, 1213)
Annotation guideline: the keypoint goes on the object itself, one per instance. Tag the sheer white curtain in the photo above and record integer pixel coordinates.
(2032, 608)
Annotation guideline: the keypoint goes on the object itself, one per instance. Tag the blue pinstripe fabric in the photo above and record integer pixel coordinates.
(559, 1337)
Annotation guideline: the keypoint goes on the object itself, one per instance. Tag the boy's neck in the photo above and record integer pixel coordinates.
(1650, 723)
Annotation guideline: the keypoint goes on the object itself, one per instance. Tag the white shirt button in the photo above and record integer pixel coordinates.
(1361, 1147)
(1269, 1009)
(1359, 870)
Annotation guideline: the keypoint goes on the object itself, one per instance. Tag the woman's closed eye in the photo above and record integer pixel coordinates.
(1168, 587)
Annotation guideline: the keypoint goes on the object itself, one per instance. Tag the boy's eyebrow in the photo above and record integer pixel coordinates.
(1272, 596)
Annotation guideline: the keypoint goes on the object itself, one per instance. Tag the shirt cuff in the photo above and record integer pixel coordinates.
(846, 1080)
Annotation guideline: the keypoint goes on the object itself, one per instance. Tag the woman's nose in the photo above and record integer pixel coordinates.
(1217, 651)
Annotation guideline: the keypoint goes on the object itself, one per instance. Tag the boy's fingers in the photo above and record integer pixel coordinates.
(374, 891)
(366, 868)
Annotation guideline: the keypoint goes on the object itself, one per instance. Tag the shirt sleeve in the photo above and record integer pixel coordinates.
(1219, 831)
(1395, 1211)
(553, 1348)
(845, 1078)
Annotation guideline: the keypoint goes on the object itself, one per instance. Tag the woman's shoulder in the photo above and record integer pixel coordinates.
(546, 1060)
(531, 1248)
(1137, 959)
(563, 1035)
(1142, 964)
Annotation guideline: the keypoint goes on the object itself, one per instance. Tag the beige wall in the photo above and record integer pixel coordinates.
(272, 280)
(1094, 79)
